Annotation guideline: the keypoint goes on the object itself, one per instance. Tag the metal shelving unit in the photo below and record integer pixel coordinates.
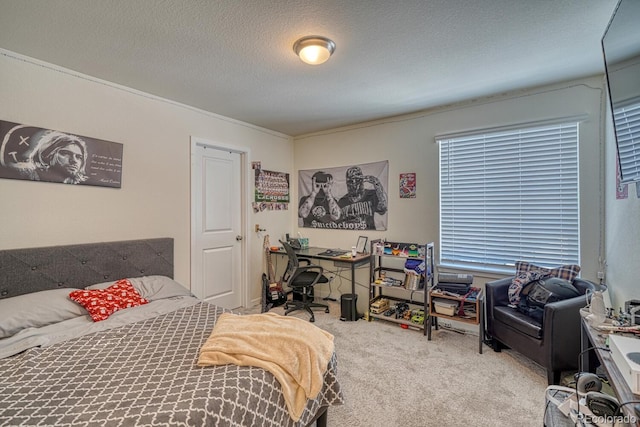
(387, 277)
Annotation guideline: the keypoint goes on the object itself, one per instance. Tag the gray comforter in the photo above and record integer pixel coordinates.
(144, 374)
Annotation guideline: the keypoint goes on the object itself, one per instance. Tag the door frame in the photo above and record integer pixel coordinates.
(244, 210)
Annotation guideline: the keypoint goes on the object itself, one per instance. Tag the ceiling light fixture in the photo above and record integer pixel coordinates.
(314, 50)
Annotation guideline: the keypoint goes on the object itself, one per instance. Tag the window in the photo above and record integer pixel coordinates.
(510, 195)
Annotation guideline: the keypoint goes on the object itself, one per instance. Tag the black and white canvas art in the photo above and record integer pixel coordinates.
(37, 154)
(344, 198)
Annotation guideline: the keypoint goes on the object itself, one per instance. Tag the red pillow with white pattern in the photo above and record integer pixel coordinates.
(102, 303)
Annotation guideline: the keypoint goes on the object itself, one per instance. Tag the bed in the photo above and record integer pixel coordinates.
(137, 367)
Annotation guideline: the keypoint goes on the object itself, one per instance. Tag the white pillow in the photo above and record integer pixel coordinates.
(152, 287)
(37, 309)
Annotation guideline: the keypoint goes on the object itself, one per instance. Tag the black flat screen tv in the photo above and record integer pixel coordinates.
(621, 52)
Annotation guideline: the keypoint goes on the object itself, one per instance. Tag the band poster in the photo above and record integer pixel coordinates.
(344, 198)
(38, 154)
(408, 185)
(271, 190)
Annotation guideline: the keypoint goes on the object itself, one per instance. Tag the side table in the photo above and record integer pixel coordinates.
(478, 319)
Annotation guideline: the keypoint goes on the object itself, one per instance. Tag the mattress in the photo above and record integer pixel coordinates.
(139, 368)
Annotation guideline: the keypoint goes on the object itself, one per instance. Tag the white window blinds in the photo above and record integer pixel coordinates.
(510, 195)
(627, 124)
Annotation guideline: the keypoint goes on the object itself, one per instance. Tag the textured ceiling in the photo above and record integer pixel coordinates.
(235, 58)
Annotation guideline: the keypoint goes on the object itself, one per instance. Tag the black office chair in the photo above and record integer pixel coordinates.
(301, 279)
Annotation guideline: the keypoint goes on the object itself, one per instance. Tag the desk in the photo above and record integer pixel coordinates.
(590, 337)
(314, 252)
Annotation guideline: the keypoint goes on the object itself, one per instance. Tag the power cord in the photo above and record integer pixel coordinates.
(335, 273)
(339, 274)
(329, 297)
(628, 402)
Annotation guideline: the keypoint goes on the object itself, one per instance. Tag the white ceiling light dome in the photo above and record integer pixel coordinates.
(314, 50)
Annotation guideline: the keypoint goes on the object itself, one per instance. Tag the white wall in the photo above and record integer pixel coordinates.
(408, 142)
(154, 200)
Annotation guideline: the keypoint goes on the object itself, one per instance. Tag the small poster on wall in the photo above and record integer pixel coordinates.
(38, 154)
(408, 185)
(271, 190)
(344, 198)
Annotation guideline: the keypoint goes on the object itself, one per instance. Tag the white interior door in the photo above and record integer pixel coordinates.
(217, 243)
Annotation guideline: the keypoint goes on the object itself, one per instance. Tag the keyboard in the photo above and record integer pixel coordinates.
(333, 252)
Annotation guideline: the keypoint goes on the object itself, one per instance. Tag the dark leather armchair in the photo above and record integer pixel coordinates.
(554, 343)
(301, 279)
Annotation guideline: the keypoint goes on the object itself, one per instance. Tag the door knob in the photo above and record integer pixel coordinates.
(238, 237)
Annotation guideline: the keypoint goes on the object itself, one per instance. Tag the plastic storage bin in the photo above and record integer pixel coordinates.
(445, 306)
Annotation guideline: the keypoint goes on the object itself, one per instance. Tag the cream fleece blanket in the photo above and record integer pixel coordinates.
(295, 351)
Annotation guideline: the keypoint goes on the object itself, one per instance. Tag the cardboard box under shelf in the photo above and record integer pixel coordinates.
(445, 306)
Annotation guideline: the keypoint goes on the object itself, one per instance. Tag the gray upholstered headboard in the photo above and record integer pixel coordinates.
(23, 271)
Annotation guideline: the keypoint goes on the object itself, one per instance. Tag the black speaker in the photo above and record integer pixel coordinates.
(346, 307)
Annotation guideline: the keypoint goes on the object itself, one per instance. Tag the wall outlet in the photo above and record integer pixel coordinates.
(600, 275)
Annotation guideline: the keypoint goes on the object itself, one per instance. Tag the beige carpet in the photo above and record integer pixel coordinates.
(396, 377)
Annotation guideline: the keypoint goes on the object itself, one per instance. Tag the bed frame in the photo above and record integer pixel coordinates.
(23, 271)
